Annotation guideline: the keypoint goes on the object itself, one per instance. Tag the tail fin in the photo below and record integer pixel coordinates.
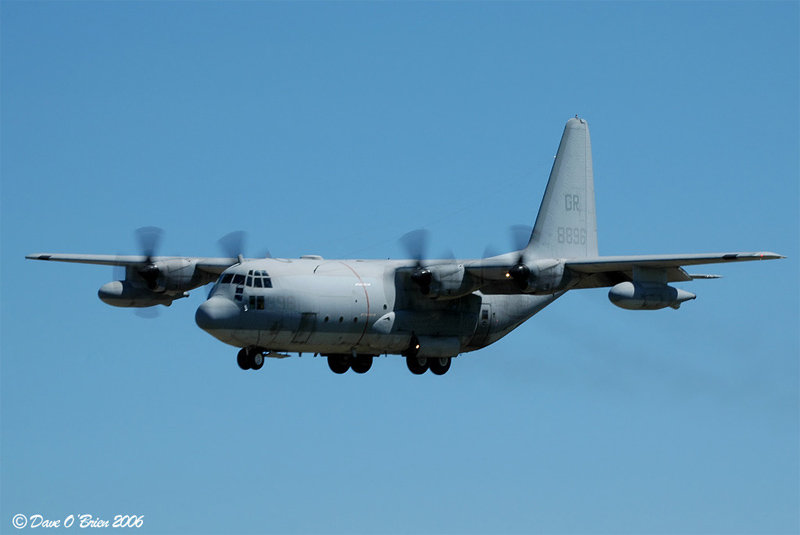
(566, 226)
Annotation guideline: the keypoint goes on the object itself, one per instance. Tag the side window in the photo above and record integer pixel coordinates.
(256, 302)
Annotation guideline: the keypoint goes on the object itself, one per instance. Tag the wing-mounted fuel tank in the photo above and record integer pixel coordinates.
(444, 281)
(154, 283)
(648, 291)
(647, 296)
(540, 277)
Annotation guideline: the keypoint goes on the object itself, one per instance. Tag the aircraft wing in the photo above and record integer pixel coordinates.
(610, 270)
(210, 265)
(607, 271)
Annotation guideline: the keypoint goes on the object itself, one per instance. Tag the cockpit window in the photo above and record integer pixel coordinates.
(238, 279)
(226, 278)
(258, 279)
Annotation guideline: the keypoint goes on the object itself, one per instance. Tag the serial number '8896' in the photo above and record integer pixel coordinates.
(572, 235)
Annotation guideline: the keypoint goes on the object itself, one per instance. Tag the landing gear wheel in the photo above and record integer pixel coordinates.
(243, 359)
(339, 363)
(417, 365)
(362, 363)
(440, 365)
(256, 360)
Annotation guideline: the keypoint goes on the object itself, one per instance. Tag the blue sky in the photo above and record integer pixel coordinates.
(334, 129)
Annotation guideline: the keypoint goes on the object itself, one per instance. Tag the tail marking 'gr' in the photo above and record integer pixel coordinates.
(566, 226)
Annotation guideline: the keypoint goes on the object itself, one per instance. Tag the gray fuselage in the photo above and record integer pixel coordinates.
(344, 306)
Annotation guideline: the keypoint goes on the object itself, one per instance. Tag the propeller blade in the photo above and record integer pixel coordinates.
(416, 244)
(520, 236)
(233, 243)
(119, 272)
(149, 239)
(148, 313)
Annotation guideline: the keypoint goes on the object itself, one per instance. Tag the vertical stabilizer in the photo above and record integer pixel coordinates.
(566, 226)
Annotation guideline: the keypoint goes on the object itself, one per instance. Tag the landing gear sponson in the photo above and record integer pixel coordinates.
(251, 358)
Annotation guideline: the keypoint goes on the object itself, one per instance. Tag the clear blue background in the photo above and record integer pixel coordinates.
(333, 129)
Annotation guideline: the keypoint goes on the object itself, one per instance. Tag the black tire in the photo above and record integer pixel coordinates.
(440, 365)
(361, 364)
(417, 365)
(256, 360)
(243, 359)
(339, 363)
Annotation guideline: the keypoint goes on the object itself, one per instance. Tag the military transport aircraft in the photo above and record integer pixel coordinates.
(428, 311)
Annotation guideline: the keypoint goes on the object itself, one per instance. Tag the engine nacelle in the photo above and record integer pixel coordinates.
(125, 294)
(444, 281)
(171, 276)
(540, 277)
(647, 296)
(158, 283)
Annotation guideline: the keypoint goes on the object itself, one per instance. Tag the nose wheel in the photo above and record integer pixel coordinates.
(250, 358)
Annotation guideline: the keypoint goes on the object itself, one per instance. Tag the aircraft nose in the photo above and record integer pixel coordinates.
(217, 313)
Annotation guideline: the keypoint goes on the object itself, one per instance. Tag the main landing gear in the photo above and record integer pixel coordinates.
(419, 365)
(341, 363)
(250, 358)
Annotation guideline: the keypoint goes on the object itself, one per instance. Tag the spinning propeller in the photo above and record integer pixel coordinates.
(416, 245)
(233, 243)
(519, 272)
(149, 239)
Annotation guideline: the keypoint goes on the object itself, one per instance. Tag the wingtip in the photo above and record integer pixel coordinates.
(769, 256)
